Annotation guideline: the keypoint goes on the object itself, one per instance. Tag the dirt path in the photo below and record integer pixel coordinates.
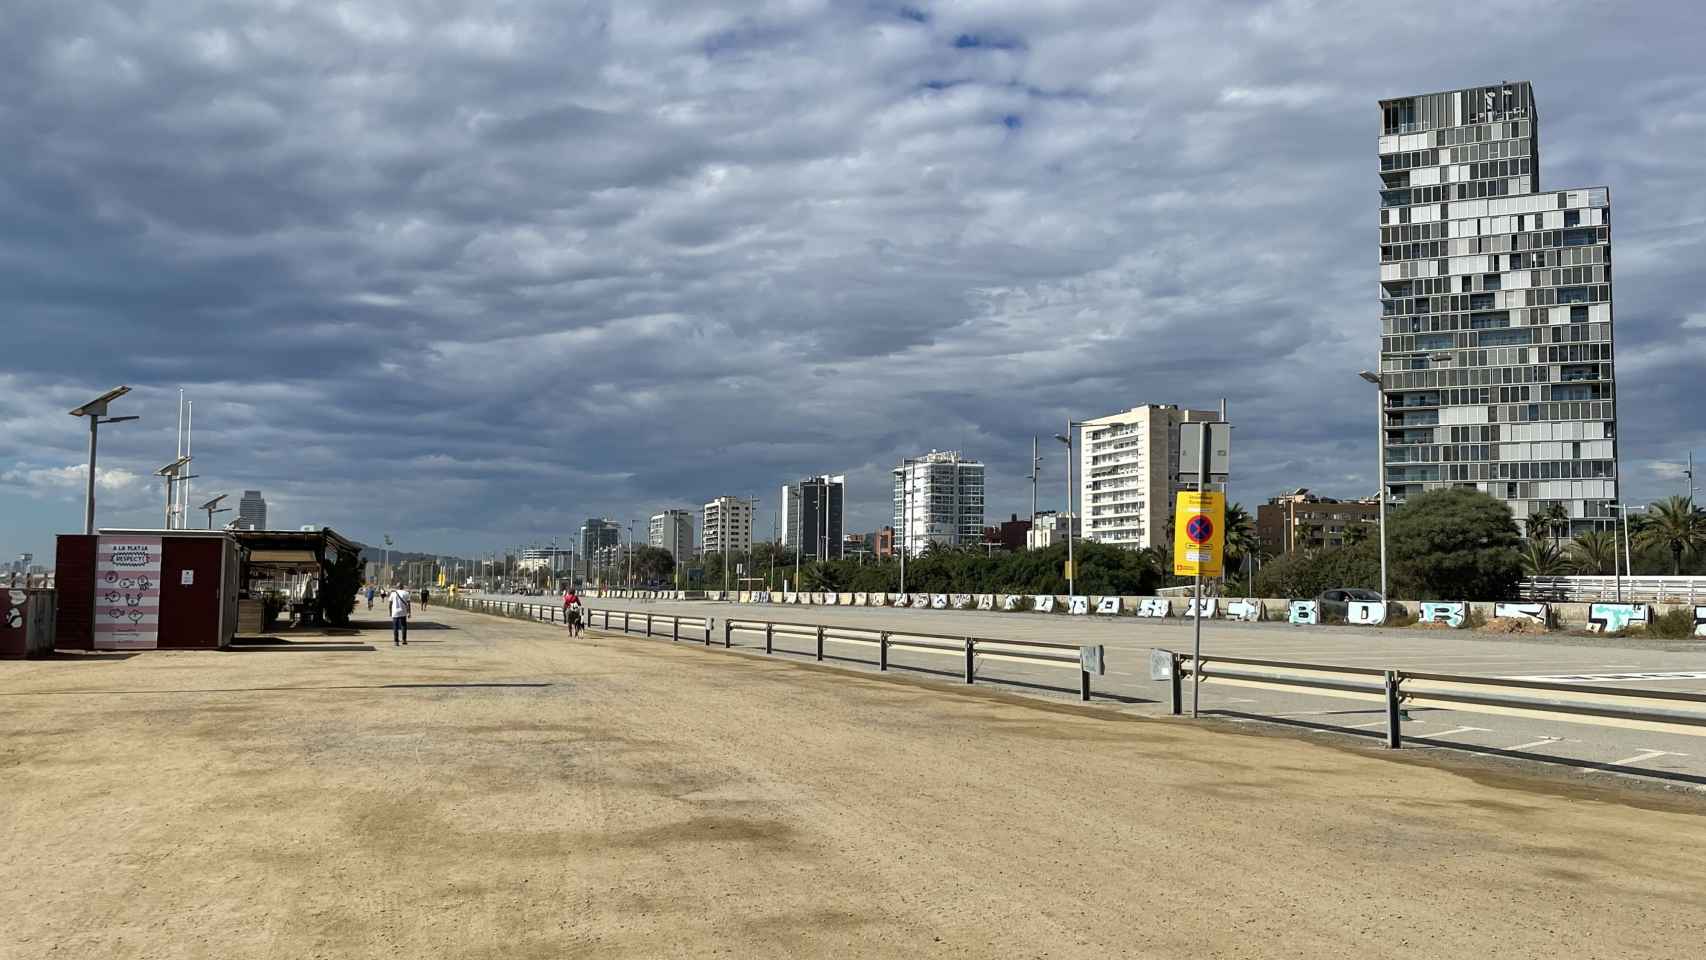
(496, 790)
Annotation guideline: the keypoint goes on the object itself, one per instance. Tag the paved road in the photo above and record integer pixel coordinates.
(495, 790)
(1599, 750)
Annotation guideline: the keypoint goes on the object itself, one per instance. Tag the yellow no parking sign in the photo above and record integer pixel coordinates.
(1199, 533)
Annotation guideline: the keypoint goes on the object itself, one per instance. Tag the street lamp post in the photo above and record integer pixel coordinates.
(906, 465)
(1071, 516)
(1380, 466)
(96, 411)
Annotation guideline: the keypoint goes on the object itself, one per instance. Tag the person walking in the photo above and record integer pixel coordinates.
(370, 596)
(399, 617)
(426, 596)
(572, 613)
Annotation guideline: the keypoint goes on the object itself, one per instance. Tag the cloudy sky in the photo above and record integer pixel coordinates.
(469, 273)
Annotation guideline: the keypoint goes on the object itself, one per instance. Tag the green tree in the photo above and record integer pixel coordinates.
(1453, 544)
(653, 565)
(1676, 526)
(1593, 552)
(339, 582)
(1557, 519)
(1543, 558)
(1303, 574)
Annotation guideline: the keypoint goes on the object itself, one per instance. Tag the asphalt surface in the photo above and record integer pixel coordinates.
(1595, 750)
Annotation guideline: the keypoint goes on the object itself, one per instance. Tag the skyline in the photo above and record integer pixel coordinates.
(426, 275)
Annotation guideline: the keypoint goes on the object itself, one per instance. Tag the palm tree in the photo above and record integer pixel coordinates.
(1558, 519)
(1539, 521)
(1594, 553)
(1676, 525)
(1543, 558)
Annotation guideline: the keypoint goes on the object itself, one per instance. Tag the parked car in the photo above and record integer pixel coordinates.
(1336, 604)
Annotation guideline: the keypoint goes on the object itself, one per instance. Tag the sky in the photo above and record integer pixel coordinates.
(470, 273)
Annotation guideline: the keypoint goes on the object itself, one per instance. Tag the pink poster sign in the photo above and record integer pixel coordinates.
(127, 593)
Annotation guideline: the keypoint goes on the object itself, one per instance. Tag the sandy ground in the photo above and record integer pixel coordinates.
(497, 790)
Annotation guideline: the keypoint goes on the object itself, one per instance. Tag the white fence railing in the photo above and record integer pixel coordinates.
(1634, 589)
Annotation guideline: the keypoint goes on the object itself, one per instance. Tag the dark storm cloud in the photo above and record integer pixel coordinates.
(469, 273)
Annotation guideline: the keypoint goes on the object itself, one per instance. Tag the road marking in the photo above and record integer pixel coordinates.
(1447, 733)
(1536, 743)
(1615, 677)
(1646, 755)
(1373, 723)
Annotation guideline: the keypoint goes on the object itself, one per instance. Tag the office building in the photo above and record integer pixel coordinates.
(1127, 464)
(1051, 528)
(1496, 320)
(598, 541)
(1301, 520)
(1014, 533)
(727, 525)
(882, 543)
(938, 498)
(252, 511)
(812, 517)
(552, 559)
(672, 530)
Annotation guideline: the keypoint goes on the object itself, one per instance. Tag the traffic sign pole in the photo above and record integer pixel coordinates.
(1196, 648)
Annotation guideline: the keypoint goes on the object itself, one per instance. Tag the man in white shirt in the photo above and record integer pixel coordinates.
(399, 617)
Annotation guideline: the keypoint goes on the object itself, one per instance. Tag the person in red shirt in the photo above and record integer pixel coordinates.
(572, 612)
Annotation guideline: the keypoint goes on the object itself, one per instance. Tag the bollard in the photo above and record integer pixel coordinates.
(1394, 733)
(728, 628)
(1178, 684)
(820, 643)
(882, 649)
(648, 624)
(769, 633)
(675, 630)
(624, 621)
(971, 660)
(1084, 685)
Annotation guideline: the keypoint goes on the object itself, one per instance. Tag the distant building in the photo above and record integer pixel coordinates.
(1126, 468)
(856, 546)
(938, 498)
(882, 543)
(554, 559)
(252, 511)
(672, 530)
(598, 541)
(1300, 520)
(1013, 533)
(727, 525)
(812, 517)
(1051, 528)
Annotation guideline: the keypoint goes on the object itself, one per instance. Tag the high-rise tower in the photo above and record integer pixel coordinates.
(1496, 346)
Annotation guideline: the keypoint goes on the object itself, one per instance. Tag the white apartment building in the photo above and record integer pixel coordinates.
(1050, 528)
(1126, 465)
(727, 525)
(672, 530)
(938, 498)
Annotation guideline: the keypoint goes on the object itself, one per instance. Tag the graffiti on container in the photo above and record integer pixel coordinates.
(1367, 613)
(1108, 606)
(1303, 612)
(1616, 617)
(1700, 621)
(1247, 610)
(1533, 612)
(960, 601)
(986, 601)
(1043, 603)
(1154, 608)
(1077, 606)
(1011, 601)
(1209, 606)
(1453, 613)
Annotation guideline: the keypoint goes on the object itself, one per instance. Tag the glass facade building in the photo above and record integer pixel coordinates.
(1496, 329)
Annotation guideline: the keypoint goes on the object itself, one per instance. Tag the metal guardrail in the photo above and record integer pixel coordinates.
(969, 650)
(1665, 711)
(701, 627)
(1634, 589)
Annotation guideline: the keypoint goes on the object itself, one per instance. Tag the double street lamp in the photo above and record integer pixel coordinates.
(96, 411)
(1380, 467)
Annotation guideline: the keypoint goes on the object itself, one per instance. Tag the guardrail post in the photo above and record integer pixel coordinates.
(769, 634)
(648, 624)
(1083, 684)
(882, 649)
(624, 621)
(971, 660)
(675, 629)
(820, 642)
(728, 631)
(1178, 671)
(1394, 732)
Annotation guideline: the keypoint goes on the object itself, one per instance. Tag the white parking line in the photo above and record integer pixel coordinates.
(1536, 743)
(1646, 755)
(1374, 723)
(1454, 730)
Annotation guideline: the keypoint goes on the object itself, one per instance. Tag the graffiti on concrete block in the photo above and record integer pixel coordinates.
(1011, 601)
(1043, 603)
(938, 601)
(1366, 613)
(1533, 612)
(960, 601)
(1077, 606)
(897, 599)
(1209, 606)
(1154, 608)
(986, 601)
(1700, 621)
(861, 599)
(921, 600)
(1616, 617)
(833, 599)
(1247, 610)
(1303, 612)
(1453, 613)
(1108, 606)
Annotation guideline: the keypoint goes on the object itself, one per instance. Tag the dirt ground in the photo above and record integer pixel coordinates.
(496, 790)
